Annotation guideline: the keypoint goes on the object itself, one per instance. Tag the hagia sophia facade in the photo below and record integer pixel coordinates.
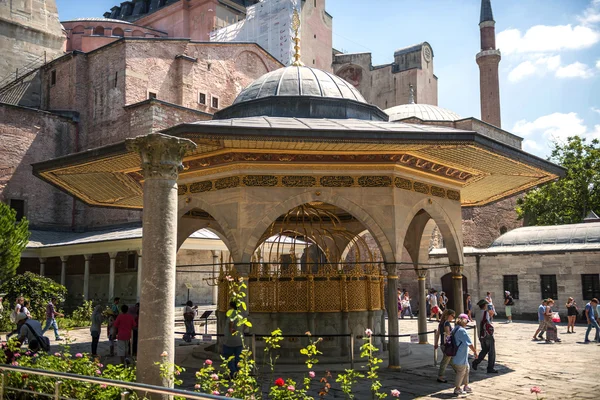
(148, 66)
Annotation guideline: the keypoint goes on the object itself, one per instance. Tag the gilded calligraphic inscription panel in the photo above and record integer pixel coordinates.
(421, 188)
(260, 180)
(199, 187)
(299, 181)
(402, 183)
(227, 183)
(375, 181)
(438, 192)
(337, 181)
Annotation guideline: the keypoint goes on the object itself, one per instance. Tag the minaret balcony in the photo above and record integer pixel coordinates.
(491, 52)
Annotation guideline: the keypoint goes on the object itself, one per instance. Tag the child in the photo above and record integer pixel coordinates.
(124, 324)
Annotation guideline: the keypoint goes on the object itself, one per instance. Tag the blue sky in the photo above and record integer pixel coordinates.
(550, 69)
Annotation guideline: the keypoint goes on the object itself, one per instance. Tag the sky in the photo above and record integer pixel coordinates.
(550, 68)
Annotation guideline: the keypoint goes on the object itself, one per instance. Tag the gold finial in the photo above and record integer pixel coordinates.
(296, 39)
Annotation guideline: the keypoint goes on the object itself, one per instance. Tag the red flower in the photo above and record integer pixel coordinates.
(280, 382)
(536, 390)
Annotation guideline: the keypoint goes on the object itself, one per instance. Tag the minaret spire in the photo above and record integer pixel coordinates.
(488, 60)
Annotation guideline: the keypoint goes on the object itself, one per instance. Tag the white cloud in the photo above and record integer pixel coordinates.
(596, 110)
(540, 133)
(544, 39)
(575, 70)
(591, 15)
(522, 70)
(598, 64)
(552, 62)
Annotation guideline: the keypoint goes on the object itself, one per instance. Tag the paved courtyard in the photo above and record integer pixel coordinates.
(564, 370)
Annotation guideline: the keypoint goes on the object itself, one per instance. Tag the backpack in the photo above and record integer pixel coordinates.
(510, 301)
(13, 316)
(43, 341)
(485, 328)
(450, 347)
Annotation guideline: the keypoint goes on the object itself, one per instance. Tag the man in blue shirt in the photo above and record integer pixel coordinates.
(590, 314)
(542, 324)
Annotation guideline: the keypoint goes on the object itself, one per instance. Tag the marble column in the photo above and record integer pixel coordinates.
(215, 275)
(111, 277)
(63, 270)
(86, 277)
(392, 310)
(139, 275)
(422, 318)
(42, 266)
(161, 160)
(457, 286)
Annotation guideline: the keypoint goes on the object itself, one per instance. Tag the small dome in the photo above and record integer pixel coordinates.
(301, 92)
(426, 112)
(573, 234)
(299, 81)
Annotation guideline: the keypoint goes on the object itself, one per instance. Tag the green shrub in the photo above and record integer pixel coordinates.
(38, 289)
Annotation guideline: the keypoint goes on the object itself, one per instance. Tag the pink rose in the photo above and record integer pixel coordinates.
(536, 390)
(16, 364)
(395, 393)
(368, 332)
(100, 365)
(17, 355)
(214, 377)
(216, 392)
(208, 362)
(103, 386)
(311, 374)
(230, 390)
(78, 355)
(177, 373)
(291, 388)
(98, 372)
(57, 354)
(197, 386)
(164, 354)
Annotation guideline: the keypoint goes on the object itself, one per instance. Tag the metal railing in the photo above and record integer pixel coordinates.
(63, 376)
(25, 70)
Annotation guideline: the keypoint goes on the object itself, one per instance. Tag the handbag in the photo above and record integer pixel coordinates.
(555, 317)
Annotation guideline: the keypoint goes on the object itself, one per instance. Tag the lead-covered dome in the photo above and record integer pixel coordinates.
(303, 92)
(425, 112)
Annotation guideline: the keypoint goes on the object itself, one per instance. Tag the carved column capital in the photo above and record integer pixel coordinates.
(421, 273)
(392, 271)
(161, 155)
(457, 271)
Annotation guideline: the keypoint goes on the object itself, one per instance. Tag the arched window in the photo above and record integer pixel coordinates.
(99, 30)
(118, 32)
(77, 30)
(137, 33)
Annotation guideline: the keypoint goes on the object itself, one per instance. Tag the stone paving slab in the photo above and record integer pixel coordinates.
(566, 370)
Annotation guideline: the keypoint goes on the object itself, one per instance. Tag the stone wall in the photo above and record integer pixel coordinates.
(484, 224)
(27, 30)
(28, 136)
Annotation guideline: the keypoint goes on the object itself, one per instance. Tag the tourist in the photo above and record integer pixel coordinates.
(443, 301)
(188, 317)
(30, 330)
(508, 303)
(406, 307)
(233, 343)
(443, 331)
(460, 361)
(433, 301)
(490, 302)
(124, 325)
(428, 304)
(111, 333)
(13, 316)
(399, 295)
(551, 330)
(572, 313)
(25, 308)
(590, 315)
(51, 315)
(542, 322)
(96, 328)
(485, 328)
(469, 307)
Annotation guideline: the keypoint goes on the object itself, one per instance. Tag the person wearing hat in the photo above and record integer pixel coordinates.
(31, 330)
(508, 303)
(485, 327)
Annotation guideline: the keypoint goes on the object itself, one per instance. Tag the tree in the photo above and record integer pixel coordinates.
(38, 289)
(571, 198)
(14, 237)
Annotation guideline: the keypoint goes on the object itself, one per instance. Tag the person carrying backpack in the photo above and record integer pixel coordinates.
(486, 336)
(462, 342)
(508, 303)
(441, 335)
(31, 330)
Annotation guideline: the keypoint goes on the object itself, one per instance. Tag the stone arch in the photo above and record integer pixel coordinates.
(434, 211)
(79, 29)
(251, 63)
(99, 31)
(352, 73)
(222, 228)
(350, 245)
(118, 32)
(272, 213)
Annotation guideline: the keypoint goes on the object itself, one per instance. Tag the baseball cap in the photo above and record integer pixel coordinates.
(463, 316)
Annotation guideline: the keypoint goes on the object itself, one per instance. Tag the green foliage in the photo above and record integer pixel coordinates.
(348, 380)
(38, 289)
(568, 200)
(5, 324)
(14, 237)
(368, 350)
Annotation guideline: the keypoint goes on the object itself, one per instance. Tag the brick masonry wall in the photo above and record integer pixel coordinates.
(482, 225)
(28, 136)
